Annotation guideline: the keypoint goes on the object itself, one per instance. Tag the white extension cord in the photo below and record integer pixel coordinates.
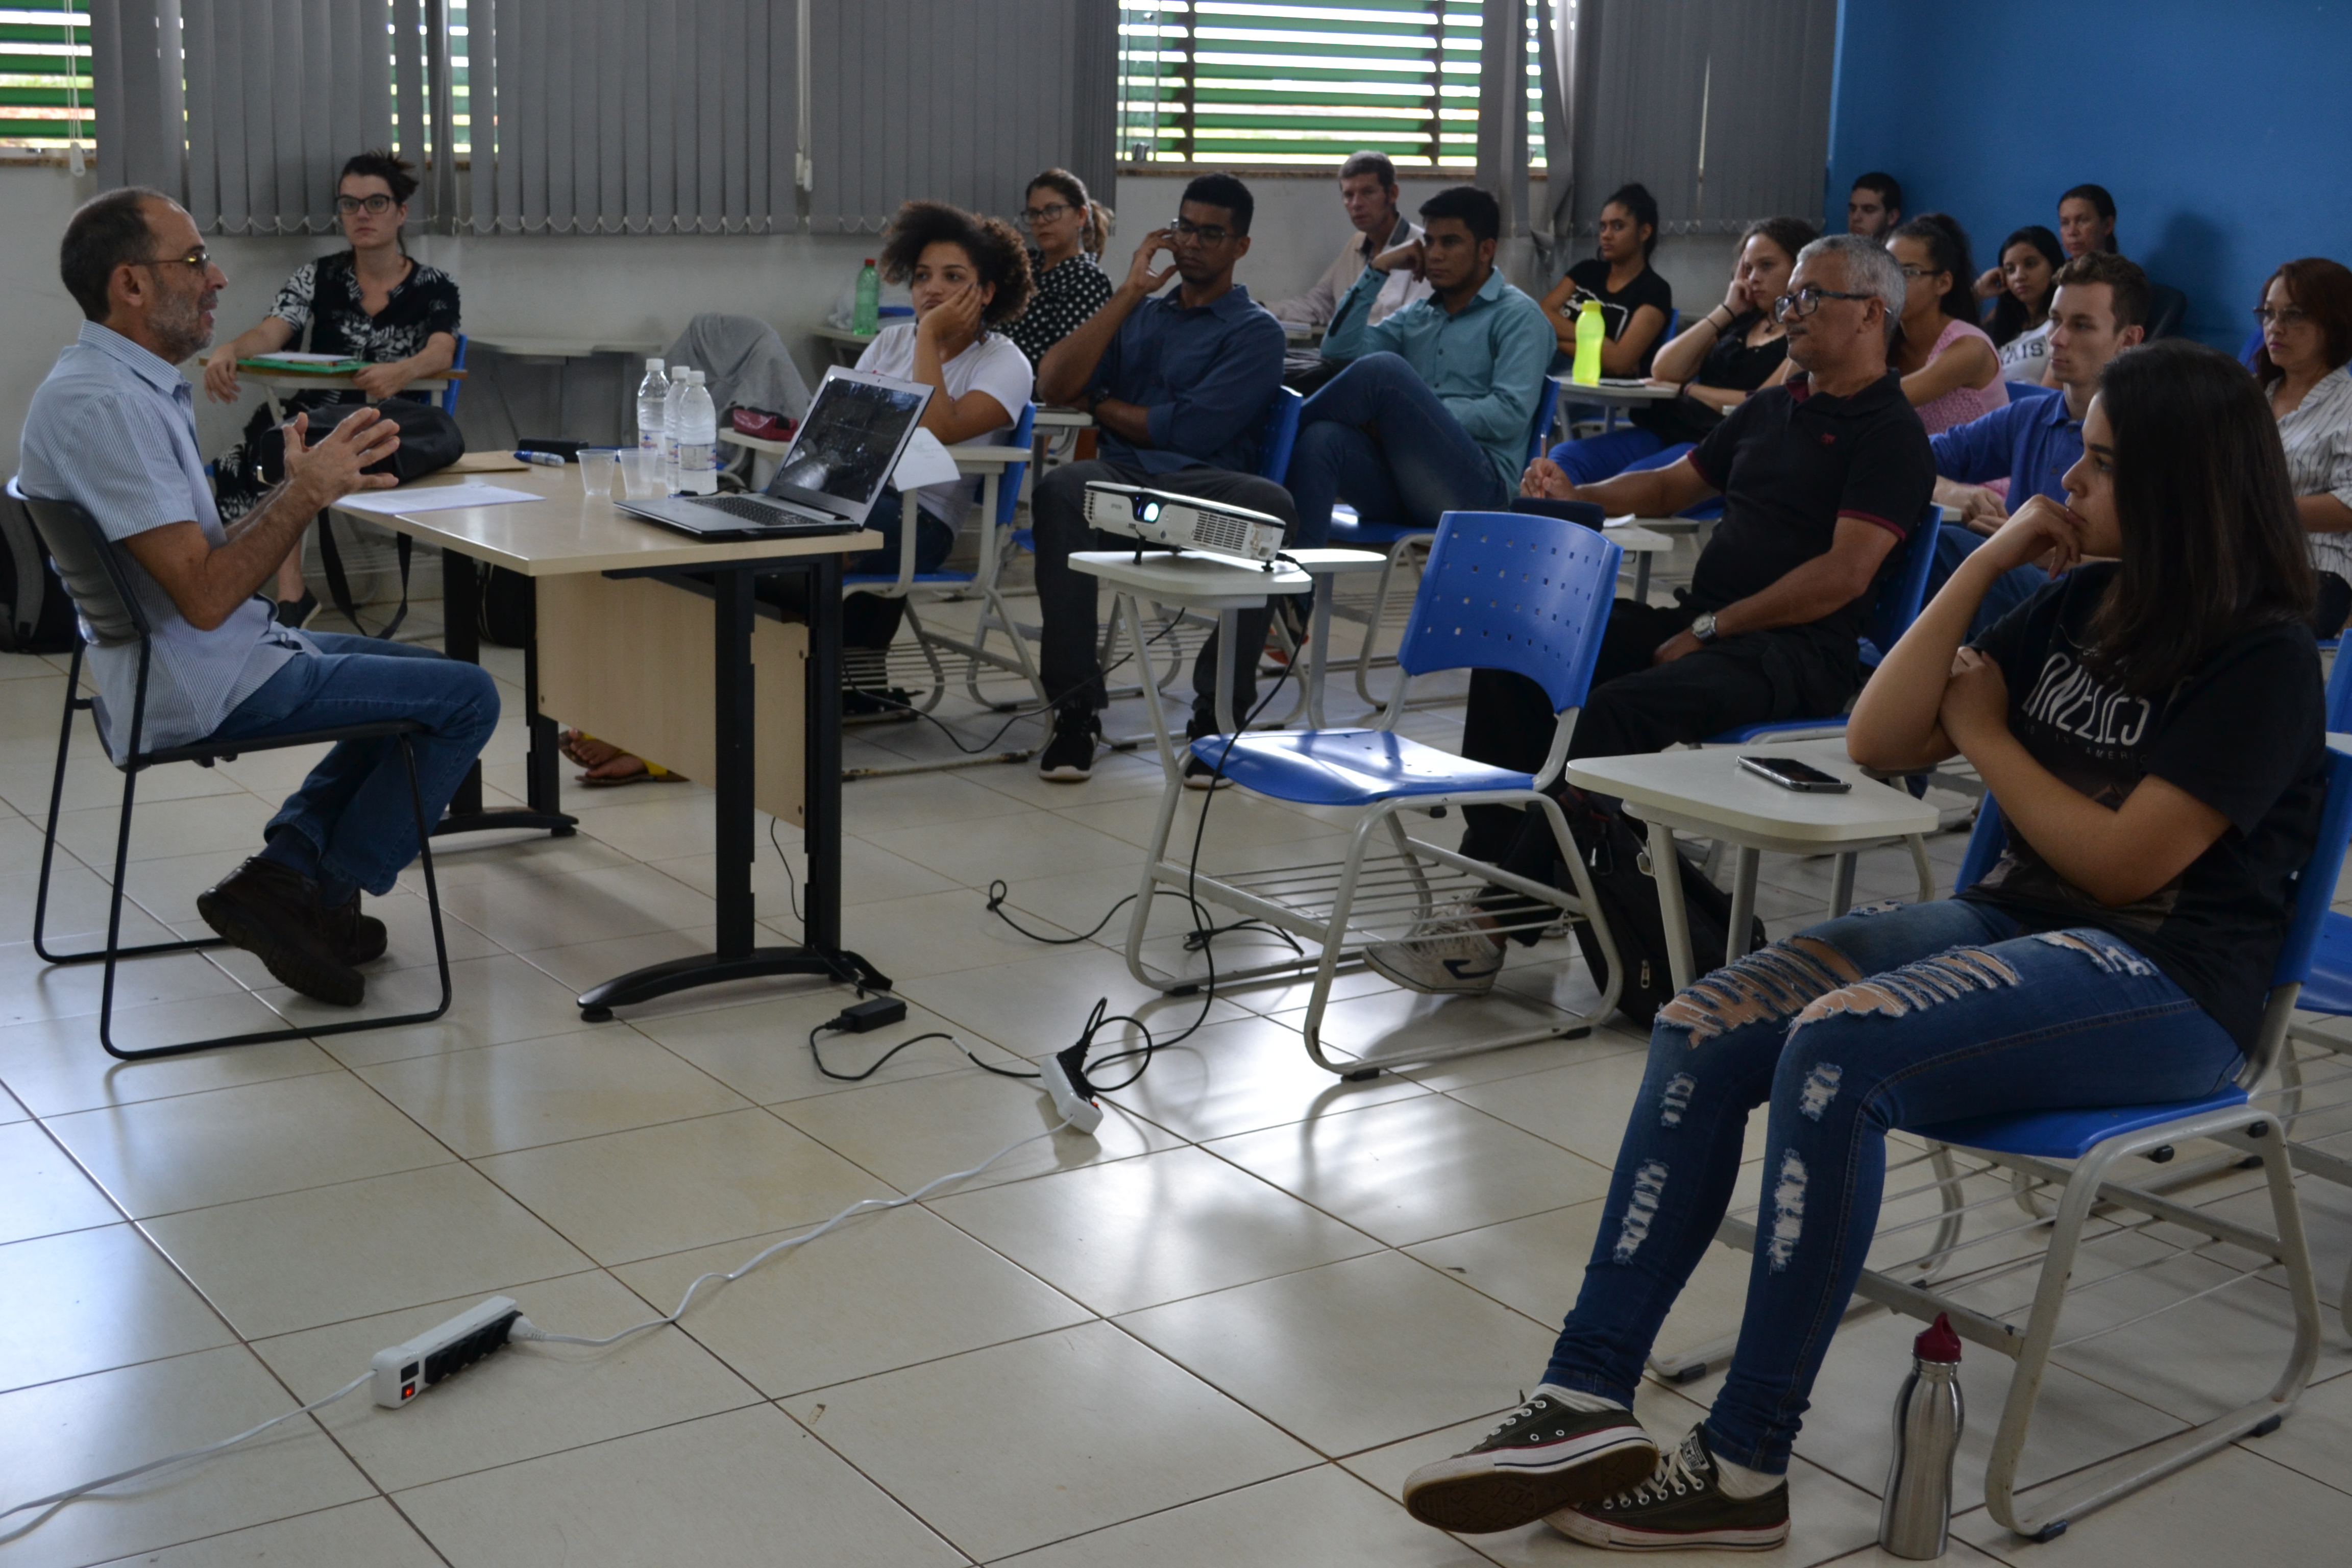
(468, 1333)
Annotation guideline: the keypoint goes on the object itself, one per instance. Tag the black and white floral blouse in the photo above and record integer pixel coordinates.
(1068, 292)
(323, 296)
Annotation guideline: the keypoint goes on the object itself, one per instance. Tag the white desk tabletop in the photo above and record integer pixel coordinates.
(1053, 418)
(571, 532)
(1572, 391)
(1707, 791)
(1334, 561)
(568, 348)
(1635, 537)
(1202, 582)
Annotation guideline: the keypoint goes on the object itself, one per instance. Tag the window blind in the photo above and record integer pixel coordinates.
(45, 76)
(1276, 82)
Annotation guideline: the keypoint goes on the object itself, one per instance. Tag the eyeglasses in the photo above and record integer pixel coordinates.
(2287, 317)
(375, 207)
(1807, 299)
(1909, 271)
(200, 259)
(1032, 216)
(1208, 234)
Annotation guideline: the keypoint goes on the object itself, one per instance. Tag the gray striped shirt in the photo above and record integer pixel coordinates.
(2317, 433)
(114, 428)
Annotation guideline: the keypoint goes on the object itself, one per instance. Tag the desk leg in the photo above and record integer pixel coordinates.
(1319, 644)
(1681, 966)
(1227, 724)
(461, 604)
(739, 956)
(1642, 578)
(1743, 901)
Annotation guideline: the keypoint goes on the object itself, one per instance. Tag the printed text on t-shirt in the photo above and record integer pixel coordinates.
(2070, 699)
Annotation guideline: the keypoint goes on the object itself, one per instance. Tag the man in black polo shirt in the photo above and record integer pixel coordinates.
(1821, 478)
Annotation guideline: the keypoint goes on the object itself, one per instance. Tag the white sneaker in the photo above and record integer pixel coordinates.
(1447, 954)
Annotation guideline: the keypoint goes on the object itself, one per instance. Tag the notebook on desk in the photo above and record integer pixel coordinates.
(833, 473)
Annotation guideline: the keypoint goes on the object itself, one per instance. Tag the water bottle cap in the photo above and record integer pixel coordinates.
(1938, 1343)
(653, 365)
(870, 261)
(1589, 308)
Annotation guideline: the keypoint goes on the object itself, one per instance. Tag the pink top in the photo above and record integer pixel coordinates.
(1962, 403)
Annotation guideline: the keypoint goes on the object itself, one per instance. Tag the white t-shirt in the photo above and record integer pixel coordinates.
(2025, 356)
(993, 366)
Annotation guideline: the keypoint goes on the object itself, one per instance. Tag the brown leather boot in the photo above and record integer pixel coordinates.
(273, 913)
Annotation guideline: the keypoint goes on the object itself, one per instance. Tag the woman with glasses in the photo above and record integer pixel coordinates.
(2305, 317)
(1070, 230)
(371, 302)
(1951, 372)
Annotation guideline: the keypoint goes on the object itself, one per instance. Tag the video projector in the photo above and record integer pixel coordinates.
(1184, 522)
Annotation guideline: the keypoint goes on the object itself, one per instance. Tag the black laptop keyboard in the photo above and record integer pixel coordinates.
(747, 508)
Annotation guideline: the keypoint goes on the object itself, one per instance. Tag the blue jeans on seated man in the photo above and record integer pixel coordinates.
(1955, 542)
(1901, 1016)
(351, 824)
(1377, 438)
(1625, 451)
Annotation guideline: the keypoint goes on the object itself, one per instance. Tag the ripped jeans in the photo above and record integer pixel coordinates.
(1902, 1016)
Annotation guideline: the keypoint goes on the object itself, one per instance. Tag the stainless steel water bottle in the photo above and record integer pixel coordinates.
(1914, 1519)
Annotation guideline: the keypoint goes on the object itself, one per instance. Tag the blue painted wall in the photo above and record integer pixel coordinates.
(2224, 128)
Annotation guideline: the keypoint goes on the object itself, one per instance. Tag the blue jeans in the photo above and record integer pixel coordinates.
(1955, 542)
(1903, 1016)
(354, 807)
(1377, 437)
(1596, 457)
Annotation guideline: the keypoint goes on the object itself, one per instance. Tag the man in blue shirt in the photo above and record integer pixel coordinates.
(114, 430)
(1180, 385)
(2097, 309)
(1434, 413)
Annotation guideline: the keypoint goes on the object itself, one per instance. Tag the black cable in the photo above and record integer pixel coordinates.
(792, 882)
(818, 1057)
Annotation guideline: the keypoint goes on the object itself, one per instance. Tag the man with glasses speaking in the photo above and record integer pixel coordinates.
(1180, 385)
(1822, 478)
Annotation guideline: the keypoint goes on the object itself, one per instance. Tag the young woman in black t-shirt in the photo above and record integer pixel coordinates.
(1635, 302)
(2153, 730)
(371, 302)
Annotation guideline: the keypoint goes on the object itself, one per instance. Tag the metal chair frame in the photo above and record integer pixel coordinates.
(109, 616)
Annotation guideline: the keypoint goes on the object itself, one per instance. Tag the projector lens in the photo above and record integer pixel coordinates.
(1152, 511)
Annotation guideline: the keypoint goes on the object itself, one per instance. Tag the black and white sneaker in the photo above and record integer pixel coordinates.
(1543, 1459)
(1069, 755)
(1198, 774)
(1682, 1505)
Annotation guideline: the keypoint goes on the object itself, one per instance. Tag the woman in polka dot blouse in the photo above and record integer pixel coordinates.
(1070, 231)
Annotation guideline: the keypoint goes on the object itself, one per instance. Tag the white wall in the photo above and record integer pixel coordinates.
(632, 287)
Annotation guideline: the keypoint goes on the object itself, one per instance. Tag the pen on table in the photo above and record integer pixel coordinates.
(544, 459)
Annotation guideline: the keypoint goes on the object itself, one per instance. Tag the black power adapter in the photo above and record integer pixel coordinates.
(874, 1012)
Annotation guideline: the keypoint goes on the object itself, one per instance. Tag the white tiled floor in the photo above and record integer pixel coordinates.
(1220, 1332)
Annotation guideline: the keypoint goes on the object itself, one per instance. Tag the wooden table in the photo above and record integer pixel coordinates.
(654, 640)
(1707, 792)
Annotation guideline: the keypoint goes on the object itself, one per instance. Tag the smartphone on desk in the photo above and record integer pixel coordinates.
(1790, 773)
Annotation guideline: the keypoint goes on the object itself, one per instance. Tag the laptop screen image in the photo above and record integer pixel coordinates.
(846, 445)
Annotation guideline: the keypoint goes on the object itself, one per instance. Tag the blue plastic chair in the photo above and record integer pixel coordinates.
(930, 587)
(2250, 348)
(1280, 435)
(449, 393)
(2081, 1153)
(1501, 591)
(1547, 408)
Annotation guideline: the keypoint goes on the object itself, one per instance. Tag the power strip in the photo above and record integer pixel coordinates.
(405, 1370)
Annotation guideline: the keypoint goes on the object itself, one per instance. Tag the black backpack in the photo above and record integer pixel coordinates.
(1614, 856)
(35, 615)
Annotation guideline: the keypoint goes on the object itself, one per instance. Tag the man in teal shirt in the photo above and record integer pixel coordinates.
(1434, 413)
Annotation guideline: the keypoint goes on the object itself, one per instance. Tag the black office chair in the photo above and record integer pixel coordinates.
(109, 616)
(2165, 307)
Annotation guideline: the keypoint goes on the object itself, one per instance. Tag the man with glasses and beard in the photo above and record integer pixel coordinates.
(1823, 478)
(113, 429)
(1180, 385)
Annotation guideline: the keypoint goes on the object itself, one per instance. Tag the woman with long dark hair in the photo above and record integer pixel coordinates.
(1950, 370)
(2304, 369)
(373, 303)
(1635, 302)
(2153, 728)
(2086, 220)
(2019, 286)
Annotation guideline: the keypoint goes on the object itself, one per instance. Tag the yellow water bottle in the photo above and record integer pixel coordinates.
(1589, 331)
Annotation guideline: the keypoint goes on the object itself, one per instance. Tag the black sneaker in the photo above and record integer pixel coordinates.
(1682, 1505)
(273, 913)
(892, 704)
(1544, 1458)
(297, 612)
(1198, 774)
(1069, 755)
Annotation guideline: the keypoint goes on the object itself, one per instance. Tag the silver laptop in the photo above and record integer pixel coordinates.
(844, 452)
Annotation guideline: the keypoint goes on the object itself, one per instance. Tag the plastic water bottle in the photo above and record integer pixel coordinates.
(673, 401)
(867, 319)
(1591, 332)
(652, 407)
(1915, 1518)
(697, 439)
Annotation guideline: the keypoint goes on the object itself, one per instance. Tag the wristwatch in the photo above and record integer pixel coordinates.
(1703, 629)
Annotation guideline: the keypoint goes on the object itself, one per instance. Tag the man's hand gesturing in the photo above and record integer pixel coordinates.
(333, 469)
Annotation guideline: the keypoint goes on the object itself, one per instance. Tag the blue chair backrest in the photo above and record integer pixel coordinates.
(2027, 391)
(2165, 307)
(1547, 407)
(2303, 930)
(1008, 488)
(1280, 435)
(2250, 348)
(2339, 693)
(1513, 591)
(1899, 601)
(449, 393)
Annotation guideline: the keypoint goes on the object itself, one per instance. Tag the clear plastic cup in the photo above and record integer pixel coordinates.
(596, 467)
(642, 472)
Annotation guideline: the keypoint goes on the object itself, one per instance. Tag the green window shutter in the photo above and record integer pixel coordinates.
(45, 76)
(1273, 82)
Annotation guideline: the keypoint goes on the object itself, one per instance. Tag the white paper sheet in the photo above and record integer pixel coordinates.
(924, 462)
(393, 503)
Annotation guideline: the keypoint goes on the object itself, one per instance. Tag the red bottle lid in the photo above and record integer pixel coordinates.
(1937, 1342)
